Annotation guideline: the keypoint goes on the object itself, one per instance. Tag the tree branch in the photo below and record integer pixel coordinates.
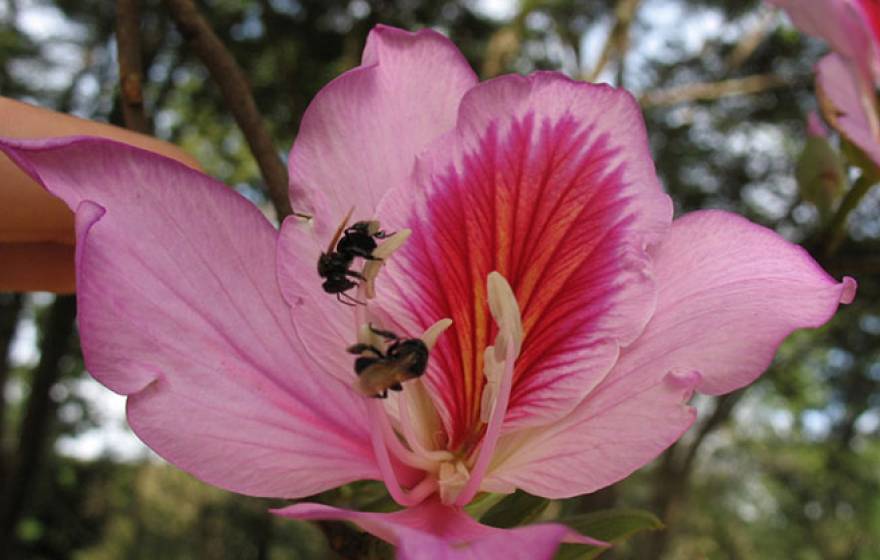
(38, 416)
(672, 478)
(236, 92)
(751, 40)
(618, 37)
(128, 53)
(837, 231)
(10, 307)
(710, 91)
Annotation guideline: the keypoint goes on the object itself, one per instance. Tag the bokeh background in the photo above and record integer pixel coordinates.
(787, 468)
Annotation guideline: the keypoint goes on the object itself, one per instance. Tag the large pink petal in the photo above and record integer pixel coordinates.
(179, 309)
(357, 140)
(851, 103)
(616, 430)
(729, 292)
(361, 133)
(549, 182)
(431, 531)
(298, 251)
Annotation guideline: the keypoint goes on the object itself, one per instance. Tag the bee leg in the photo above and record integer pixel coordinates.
(349, 298)
(355, 274)
(340, 300)
(360, 348)
(384, 334)
(396, 387)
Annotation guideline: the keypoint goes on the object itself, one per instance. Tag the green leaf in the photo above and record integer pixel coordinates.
(483, 503)
(611, 525)
(514, 510)
(858, 158)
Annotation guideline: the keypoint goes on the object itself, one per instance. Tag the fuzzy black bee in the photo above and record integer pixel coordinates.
(348, 243)
(404, 359)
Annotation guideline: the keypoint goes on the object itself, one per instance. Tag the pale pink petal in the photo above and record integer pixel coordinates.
(179, 309)
(845, 27)
(615, 431)
(851, 104)
(815, 126)
(361, 133)
(729, 292)
(549, 182)
(324, 325)
(431, 531)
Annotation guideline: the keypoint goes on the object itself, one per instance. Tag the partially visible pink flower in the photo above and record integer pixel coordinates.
(582, 317)
(815, 126)
(847, 79)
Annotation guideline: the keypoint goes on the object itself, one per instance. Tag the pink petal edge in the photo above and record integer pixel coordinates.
(433, 531)
(360, 134)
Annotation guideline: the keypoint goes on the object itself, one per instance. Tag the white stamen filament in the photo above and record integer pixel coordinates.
(451, 479)
(505, 311)
(409, 434)
(508, 342)
(382, 253)
(385, 440)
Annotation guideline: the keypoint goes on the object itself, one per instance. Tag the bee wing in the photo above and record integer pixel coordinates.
(339, 230)
(380, 376)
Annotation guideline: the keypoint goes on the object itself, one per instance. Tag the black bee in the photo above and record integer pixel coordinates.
(405, 359)
(334, 265)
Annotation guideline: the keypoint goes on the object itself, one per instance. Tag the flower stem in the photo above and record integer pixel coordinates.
(837, 228)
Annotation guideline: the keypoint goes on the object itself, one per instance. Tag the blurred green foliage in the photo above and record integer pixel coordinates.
(789, 468)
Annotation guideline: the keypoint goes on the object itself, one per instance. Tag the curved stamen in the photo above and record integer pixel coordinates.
(400, 451)
(376, 413)
(377, 438)
(423, 489)
(412, 438)
(382, 434)
(381, 254)
(502, 358)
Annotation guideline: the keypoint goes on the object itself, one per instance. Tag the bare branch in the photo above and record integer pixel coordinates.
(708, 91)
(837, 232)
(618, 37)
(10, 308)
(234, 86)
(128, 53)
(751, 40)
(39, 416)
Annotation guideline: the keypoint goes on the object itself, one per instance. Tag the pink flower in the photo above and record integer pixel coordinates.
(582, 317)
(846, 80)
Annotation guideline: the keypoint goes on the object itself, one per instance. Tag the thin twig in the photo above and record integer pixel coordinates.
(750, 41)
(39, 416)
(10, 308)
(237, 94)
(618, 37)
(708, 91)
(837, 227)
(128, 52)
